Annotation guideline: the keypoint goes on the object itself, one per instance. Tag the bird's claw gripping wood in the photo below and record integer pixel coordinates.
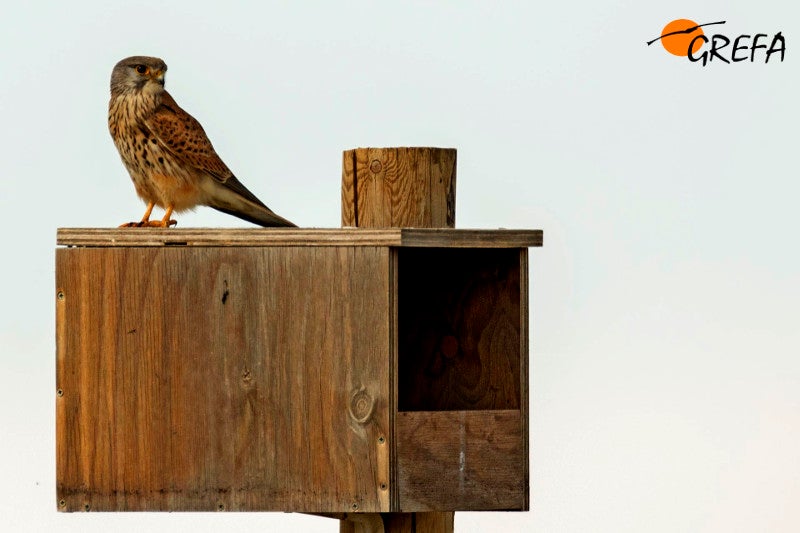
(147, 223)
(150, 224)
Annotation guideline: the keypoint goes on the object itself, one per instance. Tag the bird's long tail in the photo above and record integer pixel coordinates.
(233, 198)
(256, 214)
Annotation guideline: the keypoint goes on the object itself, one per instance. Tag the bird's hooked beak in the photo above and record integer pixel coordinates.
(158, 77)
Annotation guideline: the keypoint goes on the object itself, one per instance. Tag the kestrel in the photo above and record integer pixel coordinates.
(170, 159)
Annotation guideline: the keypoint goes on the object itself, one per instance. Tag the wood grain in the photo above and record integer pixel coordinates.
(477, 468)
(223, 379)
(349, 201)
(443, 188)
(398, 187)
(256, 237)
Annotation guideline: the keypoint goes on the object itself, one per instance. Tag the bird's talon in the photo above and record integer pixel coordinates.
(150, 224)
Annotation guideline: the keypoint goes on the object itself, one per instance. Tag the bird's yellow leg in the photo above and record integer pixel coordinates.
(163, 223)
(145, 219)
(167, 221)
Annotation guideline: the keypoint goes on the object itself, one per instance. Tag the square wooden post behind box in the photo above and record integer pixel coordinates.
(328, 371)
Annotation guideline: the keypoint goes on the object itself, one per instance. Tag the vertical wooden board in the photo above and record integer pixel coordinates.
(349, 202)
(223, 378)
(89, 463)
(443, 188)
(524, 374)
(460, 461)
(394, 501)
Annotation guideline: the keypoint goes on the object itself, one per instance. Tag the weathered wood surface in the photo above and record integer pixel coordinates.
(416, 237)
(223, 379)
(399, 187)
(352, 372)
(479, 467)
(460, 320)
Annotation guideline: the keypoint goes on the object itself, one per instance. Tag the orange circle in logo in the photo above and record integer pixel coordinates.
(676, 38)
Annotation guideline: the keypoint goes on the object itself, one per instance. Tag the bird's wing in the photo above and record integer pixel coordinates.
(185, 138)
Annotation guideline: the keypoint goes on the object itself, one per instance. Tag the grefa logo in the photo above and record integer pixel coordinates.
(686, 38)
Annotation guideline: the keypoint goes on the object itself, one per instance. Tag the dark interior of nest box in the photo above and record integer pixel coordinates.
(459, 321)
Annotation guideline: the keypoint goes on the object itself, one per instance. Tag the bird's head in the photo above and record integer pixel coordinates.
(138, 74)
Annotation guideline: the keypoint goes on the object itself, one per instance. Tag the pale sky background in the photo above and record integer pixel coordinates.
(665, 352)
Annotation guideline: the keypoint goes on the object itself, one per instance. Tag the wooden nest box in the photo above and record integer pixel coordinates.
(369, 369)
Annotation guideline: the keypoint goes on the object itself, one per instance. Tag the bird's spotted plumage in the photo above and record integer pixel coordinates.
(168, 155)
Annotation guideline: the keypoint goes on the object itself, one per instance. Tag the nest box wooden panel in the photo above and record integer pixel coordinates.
(292, 370)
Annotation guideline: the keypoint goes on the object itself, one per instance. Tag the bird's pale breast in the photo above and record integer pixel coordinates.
(157, 176)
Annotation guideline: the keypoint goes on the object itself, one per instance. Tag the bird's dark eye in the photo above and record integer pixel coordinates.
(141, 69)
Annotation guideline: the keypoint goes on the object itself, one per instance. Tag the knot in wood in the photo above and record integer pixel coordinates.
(375, 166)
(361, 405)
(449, 346)
(247, 377)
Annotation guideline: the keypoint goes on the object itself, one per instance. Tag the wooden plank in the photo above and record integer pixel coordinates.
(257, 237)
(470, 238)
(479, 468)
(394, 494)
(224, 237)
(223, 379)
(524, 374)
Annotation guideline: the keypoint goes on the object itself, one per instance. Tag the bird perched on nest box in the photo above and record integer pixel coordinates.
(168, 155)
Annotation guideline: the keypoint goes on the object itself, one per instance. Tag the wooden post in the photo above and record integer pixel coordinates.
(399, 187)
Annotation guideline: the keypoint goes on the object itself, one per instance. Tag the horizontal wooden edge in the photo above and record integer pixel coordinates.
(393, 237)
